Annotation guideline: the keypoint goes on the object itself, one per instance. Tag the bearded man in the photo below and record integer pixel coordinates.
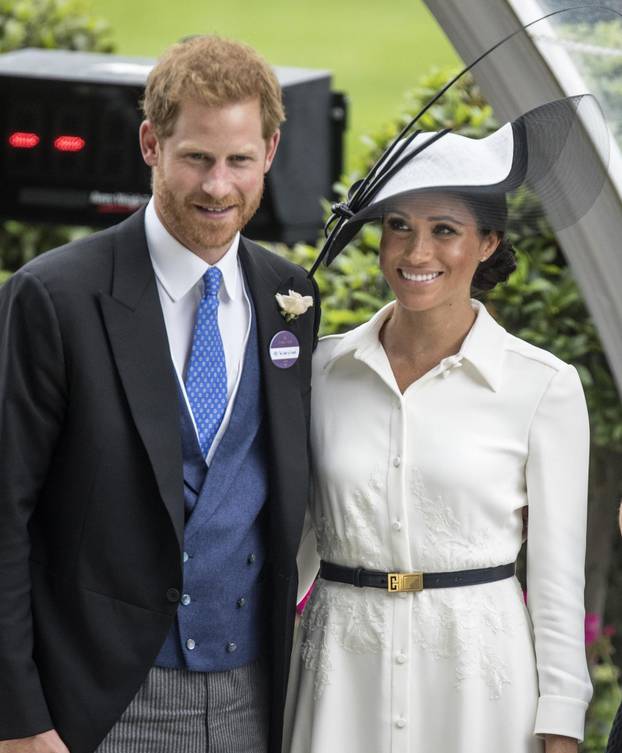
(154, 410)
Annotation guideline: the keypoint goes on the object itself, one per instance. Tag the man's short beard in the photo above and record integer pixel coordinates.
(177, 215)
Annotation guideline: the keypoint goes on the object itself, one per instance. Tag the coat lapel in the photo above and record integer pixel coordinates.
(284, 410)
(135, 325)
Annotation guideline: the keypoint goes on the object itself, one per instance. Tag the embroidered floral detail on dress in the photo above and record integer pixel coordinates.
(359, 543)
(465, 628)
(341, 615)
(448, 542)
(377, 479)
(458, 625)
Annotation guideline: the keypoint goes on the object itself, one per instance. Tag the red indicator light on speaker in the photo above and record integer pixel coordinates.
(23, 140)
(69, 143)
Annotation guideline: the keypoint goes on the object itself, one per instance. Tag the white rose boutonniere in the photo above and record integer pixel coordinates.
(293, 304)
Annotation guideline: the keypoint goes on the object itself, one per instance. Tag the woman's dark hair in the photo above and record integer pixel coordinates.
(490, 212)
(497, 267)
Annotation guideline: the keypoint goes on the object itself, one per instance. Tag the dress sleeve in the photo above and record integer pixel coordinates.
(556, 475)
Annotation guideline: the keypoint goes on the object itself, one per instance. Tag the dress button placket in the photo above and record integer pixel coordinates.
(401, 608)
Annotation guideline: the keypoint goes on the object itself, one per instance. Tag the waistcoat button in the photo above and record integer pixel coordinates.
(172, 595)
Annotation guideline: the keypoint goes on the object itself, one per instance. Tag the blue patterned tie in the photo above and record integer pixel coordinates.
(206, 375)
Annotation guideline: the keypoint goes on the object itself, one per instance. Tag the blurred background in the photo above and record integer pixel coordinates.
(374, 52)
(388, 60)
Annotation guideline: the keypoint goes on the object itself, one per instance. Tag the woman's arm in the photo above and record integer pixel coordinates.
(556, 475)
(560, 744)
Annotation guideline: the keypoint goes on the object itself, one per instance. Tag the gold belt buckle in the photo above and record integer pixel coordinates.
(404, 582)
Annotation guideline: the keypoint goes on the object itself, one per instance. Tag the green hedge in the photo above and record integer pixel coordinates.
(49, 24)
(52, 24)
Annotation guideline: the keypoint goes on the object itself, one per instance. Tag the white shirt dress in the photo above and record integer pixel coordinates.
(435, 480)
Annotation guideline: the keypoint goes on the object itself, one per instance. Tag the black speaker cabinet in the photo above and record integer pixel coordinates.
(69, 148)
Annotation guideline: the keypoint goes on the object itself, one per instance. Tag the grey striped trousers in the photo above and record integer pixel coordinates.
(177, 711)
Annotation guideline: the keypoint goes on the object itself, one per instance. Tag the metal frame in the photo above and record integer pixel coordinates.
(592, 246)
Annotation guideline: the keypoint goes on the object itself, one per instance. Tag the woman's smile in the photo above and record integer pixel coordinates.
(419, 278)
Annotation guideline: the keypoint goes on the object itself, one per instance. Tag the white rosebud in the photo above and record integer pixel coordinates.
(294, 304)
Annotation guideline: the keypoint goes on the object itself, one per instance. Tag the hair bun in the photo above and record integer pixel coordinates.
(497, 268)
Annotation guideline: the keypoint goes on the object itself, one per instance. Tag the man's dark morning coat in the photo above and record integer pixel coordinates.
(91, 489)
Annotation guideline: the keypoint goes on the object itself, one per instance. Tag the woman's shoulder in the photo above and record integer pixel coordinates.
(360, 337)
(325, 348)
(533, 355)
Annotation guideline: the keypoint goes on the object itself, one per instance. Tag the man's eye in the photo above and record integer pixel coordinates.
(240, 158)
(196, 156)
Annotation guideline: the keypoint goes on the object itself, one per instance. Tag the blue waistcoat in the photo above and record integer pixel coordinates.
(221, 616)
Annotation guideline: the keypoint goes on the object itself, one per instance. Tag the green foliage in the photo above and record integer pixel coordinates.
(606, 698)
(46, 24)
(51, 24)
(353, 287)
(20, 242)
(602, 70)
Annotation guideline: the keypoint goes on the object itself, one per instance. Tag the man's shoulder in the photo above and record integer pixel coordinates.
(282, 266)
(70, 253)
(82, 261)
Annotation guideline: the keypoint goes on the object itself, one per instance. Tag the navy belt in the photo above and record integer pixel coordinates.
(417, 581)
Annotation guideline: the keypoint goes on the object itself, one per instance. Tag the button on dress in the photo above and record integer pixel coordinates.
(435, 480)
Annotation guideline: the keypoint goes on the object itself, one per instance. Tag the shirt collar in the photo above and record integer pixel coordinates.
(178, 269)
(482, 347)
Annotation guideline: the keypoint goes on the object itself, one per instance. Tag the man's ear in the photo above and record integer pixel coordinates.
(149, 145)
(271, 146)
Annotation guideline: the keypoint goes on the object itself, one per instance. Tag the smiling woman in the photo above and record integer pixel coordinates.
(434, 430)
(422, 245)
(429, 253)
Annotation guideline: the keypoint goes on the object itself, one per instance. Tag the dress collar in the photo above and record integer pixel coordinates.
(178, 269)
(482, 347)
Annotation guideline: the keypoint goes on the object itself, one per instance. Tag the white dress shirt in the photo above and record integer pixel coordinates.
(179, 274)
(435, 480)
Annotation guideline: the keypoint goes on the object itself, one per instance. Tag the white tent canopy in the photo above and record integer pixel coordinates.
(544, 70)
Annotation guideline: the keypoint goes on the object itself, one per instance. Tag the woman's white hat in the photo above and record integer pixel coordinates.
(556, 154)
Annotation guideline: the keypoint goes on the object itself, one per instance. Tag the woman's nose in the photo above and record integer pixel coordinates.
(419, 248)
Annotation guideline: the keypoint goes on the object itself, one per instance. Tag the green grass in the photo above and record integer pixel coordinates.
(376, 51)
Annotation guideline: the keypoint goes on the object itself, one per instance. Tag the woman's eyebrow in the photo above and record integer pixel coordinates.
(446, 217)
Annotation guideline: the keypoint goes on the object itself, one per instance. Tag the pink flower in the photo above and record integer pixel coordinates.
(609, 631)
(593, 627)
